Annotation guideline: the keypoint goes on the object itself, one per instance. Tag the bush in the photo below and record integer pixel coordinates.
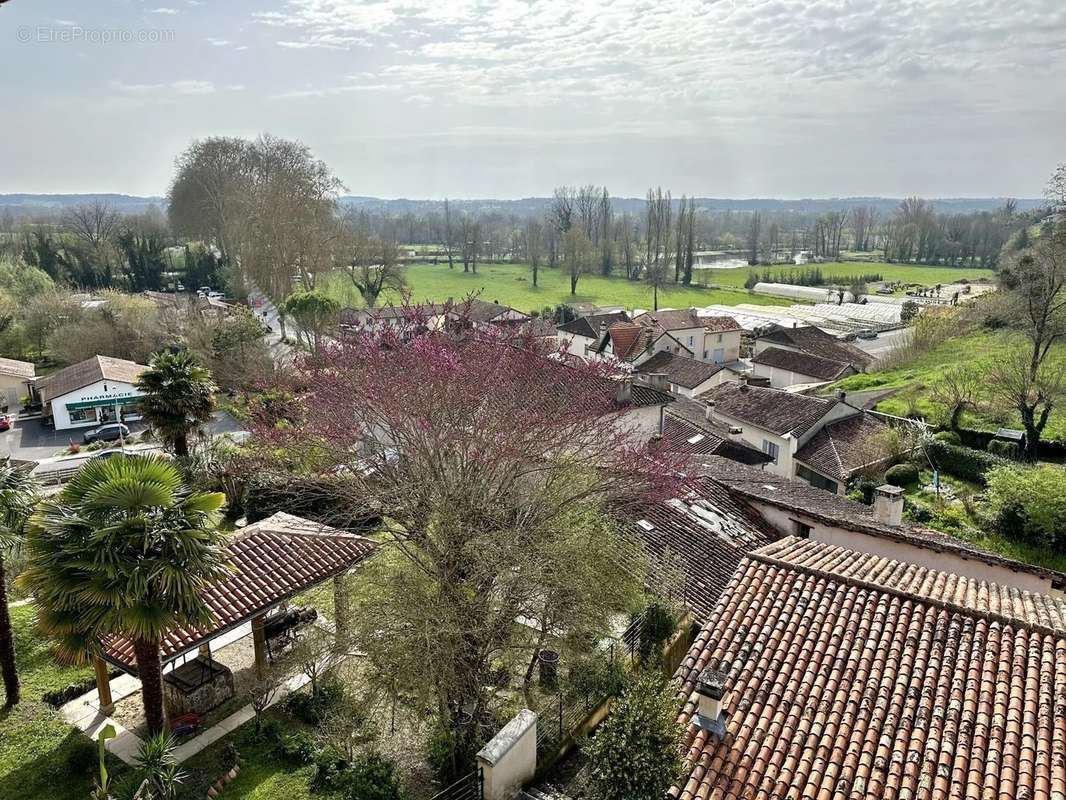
(659, 625)
(312, 708)
(451, 754)
(371, 777)
(297, 748)
(1028, 504)
(998, 447)
(596, 677)
(950, 437)
(916, 512)
(271, 731)
(962, 462)
(902, 475)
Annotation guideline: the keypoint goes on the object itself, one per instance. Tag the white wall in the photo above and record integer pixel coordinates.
(786, 446)
(13, 389)
(783, 378)
(96, 390)
(509, 760)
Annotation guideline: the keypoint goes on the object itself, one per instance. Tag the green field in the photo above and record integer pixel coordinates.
(912, 382)
(512, 285)
(904, 273)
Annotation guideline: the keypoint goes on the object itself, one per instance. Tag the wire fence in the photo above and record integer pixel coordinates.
(469, 787)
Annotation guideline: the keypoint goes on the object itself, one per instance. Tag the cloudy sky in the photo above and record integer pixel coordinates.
(470, 98)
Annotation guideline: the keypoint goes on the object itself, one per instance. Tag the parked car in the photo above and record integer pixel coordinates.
(868, 333)
(5, 422)
(110, 453)
(107, 433)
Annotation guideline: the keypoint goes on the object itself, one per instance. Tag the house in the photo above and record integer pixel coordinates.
(714, 339)
(699, 537)
(686, 429)
(634, 344)
(795, 508)
(479, 313)
(777, 422)
(582, 334)
(16, 382)
(98, 390)
(432, 314)
(816, 342)
(829, 672)
(685, 375)
(784, 368)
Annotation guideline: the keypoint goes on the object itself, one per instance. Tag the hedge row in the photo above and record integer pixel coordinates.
(963, 462)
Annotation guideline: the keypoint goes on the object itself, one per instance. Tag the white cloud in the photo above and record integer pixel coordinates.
(163, 90)
(167, 11)
(218, 42)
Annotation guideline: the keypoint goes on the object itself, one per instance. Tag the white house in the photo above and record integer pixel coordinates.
(98, 390)
(684, 375)
(16, 381)
(582, 334)
(821, 441)
(711, 339)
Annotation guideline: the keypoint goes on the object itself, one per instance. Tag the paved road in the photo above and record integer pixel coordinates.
(29, 440)
(267, 312)
(884, 344)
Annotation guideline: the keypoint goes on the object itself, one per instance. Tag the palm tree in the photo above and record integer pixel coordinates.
(177, 397)
(125, 549)
(18, 496)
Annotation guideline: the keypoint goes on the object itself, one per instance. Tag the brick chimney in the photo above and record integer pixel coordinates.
(709, 413)
(888, 504)
(710, 712)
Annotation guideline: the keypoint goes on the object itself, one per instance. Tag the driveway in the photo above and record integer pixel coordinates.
(885, 342)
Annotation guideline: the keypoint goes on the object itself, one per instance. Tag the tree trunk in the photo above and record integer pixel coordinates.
(956, 414)
(150, 671)
(7, 647)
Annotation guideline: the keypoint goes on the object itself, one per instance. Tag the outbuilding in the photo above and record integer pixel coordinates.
(16, 382)
(98, 390)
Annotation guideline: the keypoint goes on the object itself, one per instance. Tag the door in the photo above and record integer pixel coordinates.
(719, 355)
(107, 414)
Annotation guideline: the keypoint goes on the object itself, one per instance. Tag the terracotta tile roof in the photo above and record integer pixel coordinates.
(676, 319)
(680, 435)
(624, 335)
(841, 448)
(823, 369)
(757, 485)
(590, 326)
(702, 536)
(679, 369)
(968, 594)
(840, 687)
(770, 409)
(17, 369)
(817, 342)
(273, 560)
(89, 371)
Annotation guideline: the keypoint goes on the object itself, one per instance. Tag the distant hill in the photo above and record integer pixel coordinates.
(47, 204)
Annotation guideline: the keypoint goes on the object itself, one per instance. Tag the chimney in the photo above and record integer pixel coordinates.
(888, 504)
(603, 328)
(744, 382)
(625, 391)
(656, 379)
(710, 713)
(735, 433)
(842, 395)
(710, 411)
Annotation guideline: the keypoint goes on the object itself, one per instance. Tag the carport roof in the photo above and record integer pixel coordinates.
(273, 560)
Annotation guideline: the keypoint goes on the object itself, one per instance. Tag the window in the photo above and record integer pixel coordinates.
(691, 341)
(816, 480)
(719, 338)
(130, 410)
(801, 529)
(770, 449)
(704, 355)
(83, 415)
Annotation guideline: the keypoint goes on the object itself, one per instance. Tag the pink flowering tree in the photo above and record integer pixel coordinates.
(496, 466)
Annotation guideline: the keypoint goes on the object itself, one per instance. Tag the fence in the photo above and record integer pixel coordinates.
(469, 787)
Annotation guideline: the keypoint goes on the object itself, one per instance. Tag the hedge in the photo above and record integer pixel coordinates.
(963, 462)
(902, 475)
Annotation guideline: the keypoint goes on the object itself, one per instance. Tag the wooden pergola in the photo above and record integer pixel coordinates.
(273, 560)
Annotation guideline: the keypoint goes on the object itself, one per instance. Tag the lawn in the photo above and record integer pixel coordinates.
(512, 285)
(41, 757)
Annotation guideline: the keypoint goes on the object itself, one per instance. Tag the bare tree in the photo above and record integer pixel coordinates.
(561, 211)
(658, 241)
(533, 240)
(372, 264)
(94, 224)
(577, 255)
(1030, 378)
(605, 231)
(587, 204)
(1055, 191)
(754, 236)
(470, 234)
(447, 235)
(958, 389)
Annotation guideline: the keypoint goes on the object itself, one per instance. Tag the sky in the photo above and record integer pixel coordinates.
(507, 99)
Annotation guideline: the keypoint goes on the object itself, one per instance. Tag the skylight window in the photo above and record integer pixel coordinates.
(699, 437)
(645, 525)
